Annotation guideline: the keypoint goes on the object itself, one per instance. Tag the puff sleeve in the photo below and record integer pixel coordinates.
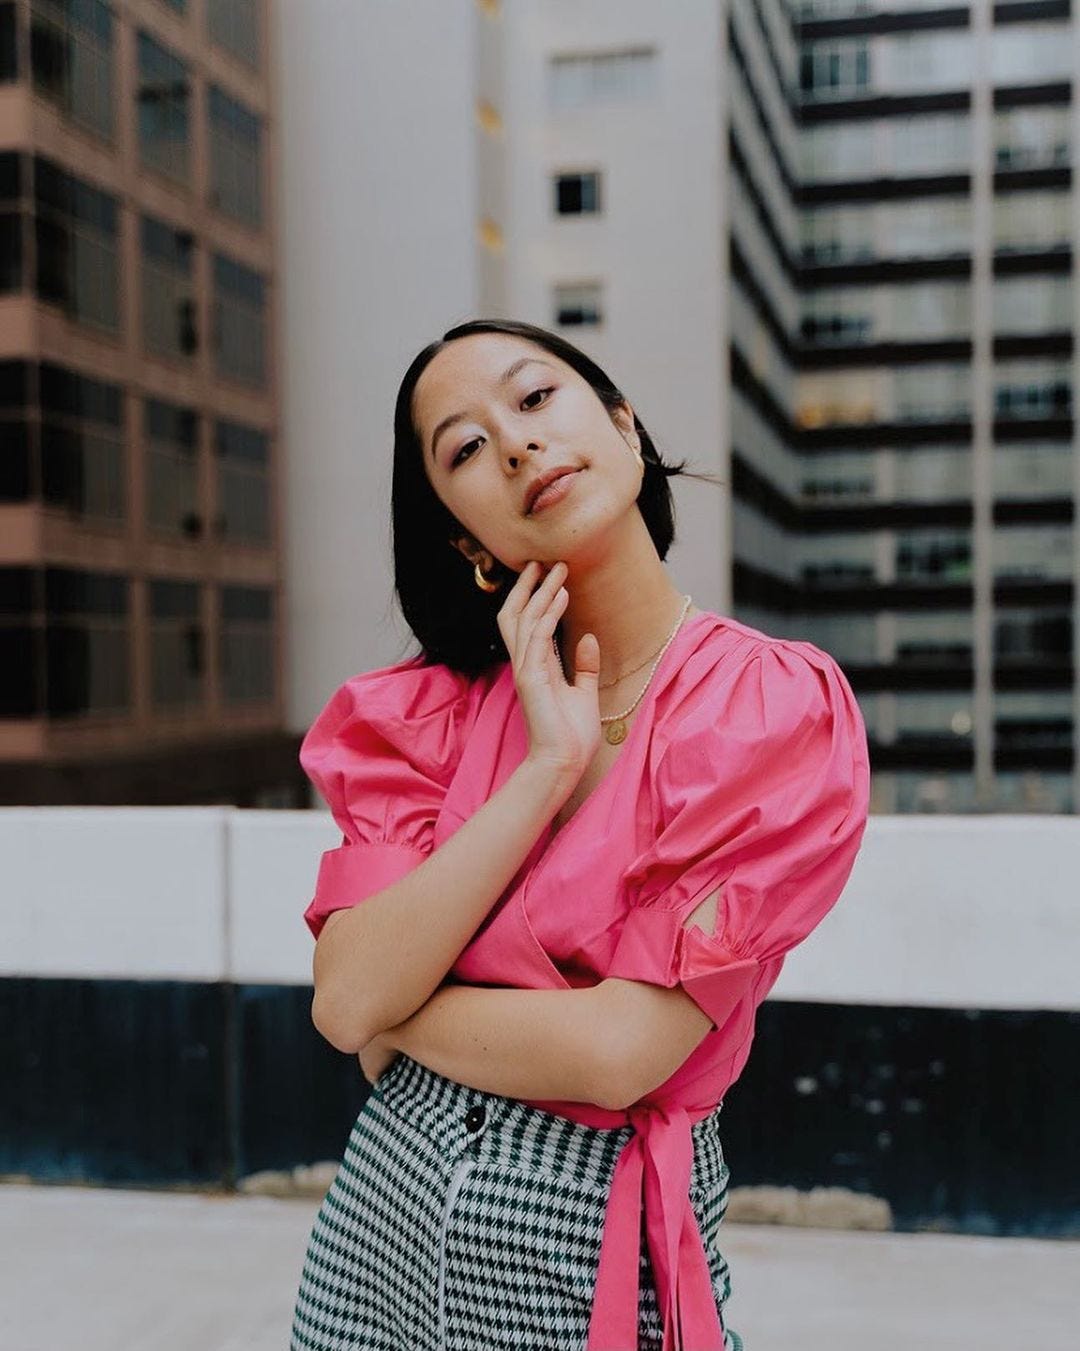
(763, 790)
(382, 753)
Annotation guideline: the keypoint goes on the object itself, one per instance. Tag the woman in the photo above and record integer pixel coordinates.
(586, 823)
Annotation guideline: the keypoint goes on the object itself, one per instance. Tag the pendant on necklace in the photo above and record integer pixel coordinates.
(614, 732)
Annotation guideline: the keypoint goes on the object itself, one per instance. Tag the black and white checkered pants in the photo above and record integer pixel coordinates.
(467, 1221)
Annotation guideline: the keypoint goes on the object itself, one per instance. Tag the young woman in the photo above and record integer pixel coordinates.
(581, 828)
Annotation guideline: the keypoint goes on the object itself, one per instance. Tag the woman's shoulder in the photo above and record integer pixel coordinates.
(739, 679)
(421, 708)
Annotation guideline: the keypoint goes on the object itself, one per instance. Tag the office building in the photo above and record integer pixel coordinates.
(140, 658)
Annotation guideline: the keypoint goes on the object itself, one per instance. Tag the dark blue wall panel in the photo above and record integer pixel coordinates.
(962, 1120)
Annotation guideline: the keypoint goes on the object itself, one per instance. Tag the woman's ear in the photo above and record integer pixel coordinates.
(623, 417)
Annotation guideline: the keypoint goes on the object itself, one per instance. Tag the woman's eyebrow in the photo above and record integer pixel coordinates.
(503, 379)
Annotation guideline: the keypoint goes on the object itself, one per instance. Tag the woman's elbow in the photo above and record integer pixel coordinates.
(342, 1027)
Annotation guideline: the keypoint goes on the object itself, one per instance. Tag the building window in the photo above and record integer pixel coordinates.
(243, 483)
(16, 483)
(163, 100)
(247, 661)
(1031, 470)
(835, 69)
(171, 438)
(235, 158)
(71, 59)
(168, 296)
(234, 25)
(87, 643)
(601, 77)
(9, 43)
(1032, 304)
(1032, 635)
(1036, 390)
(1032, 138)
(577, 194)
(239, 321)
(12, 248)
(1040, 553)
(76, 227)
(82, 445)
(177, 655)
(1033, 719)
(924, 556)
(578, 303)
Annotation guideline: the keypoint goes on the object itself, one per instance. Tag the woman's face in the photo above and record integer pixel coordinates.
(493, 412)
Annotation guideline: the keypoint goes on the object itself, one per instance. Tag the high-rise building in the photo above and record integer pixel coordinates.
(834, 245)
(139, 539)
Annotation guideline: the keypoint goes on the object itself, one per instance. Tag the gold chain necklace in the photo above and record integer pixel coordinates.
(614, 724)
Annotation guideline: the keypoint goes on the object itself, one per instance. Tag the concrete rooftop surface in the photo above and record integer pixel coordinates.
(120, 1270)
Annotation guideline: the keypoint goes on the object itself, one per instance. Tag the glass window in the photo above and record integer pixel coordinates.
(163, 100)
(71, 59)
(12, 248)
(835, 69)
(932, 474)
(1029, 553)
(915, 63)
(930, 792)
(577, 194)
(850, 639)
(938, 639)
(177, 656)
(1032, 304)
(931, 393)
(924, 715)
(235, 158)
(9, 43)
(171, 439)
(837, 560)
(82, 445)
(87, 643)
(239, 321)
(838, 477)
(1033, 790)
(579, 303)
(15, 432)
(1032, 220)
(1033, 389)
(1031, 138)
(1033, 634)
(247, 662)
(234, 25)
(928, 556)
(838, 315)
(1033, 470)
(168, 294)
(76, 229)
(601, 77)
(1031, 53)
(1033, 719)
(243, 483)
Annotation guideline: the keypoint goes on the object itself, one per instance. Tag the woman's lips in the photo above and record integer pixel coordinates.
(554, 492)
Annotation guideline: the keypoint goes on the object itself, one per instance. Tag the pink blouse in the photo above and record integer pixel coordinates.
(745, 767)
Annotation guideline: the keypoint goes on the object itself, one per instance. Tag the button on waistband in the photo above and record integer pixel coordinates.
(475, 1117)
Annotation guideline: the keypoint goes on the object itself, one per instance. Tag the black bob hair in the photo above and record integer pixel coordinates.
(453, 619)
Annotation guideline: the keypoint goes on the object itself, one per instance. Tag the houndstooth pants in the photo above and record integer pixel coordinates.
(466, 1221)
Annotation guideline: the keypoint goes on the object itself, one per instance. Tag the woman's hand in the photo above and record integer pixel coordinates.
(563, 719)
(376, 1056)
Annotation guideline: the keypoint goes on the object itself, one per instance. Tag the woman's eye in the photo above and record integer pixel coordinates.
(461, 452)
(549, 390)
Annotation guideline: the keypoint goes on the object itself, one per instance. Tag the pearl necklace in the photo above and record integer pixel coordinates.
(614, 724)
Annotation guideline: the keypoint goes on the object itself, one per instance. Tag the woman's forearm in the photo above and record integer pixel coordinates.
(536, 1044)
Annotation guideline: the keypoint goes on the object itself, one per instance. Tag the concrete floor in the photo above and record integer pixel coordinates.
(112, 1270)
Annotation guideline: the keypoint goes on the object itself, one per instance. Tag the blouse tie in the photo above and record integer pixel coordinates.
(654, 1167)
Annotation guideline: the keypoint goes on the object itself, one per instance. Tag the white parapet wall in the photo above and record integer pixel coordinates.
(940, 911)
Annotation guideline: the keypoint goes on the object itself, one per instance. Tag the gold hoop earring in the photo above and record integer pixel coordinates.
(484, 583)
